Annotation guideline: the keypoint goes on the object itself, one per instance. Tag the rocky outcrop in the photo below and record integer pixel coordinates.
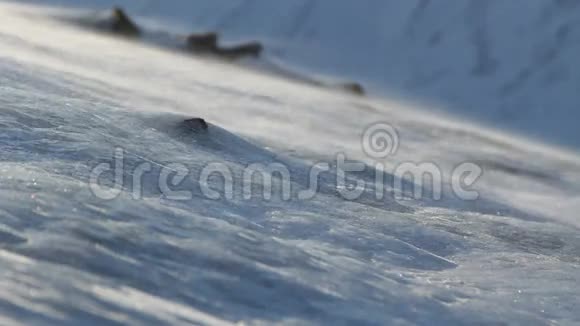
(196, 124)
(203, 43)
(122, 25)
(207, 44)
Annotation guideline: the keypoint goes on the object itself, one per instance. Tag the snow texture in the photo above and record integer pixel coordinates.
(69, 97)
(507, 64)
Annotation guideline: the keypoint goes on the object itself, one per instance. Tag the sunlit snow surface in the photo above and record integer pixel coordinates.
(68, 98)
(510, 64)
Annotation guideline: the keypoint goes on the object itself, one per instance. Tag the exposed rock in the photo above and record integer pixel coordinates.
(121, 24)
(203, 43)
(355, 88)
(208, 44)
(196, 124)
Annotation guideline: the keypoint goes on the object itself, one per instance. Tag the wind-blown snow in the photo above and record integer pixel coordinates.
(69, 97)
(509, 64)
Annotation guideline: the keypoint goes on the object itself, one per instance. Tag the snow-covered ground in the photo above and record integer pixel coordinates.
(509, 64)
(69, 99)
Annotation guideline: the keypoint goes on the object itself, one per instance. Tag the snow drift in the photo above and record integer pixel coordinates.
(69, 98)
(508, 64)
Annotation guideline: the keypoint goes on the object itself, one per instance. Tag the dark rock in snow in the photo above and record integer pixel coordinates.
(355, 88)
(203, 43)
(121, 24)
(208, 44)
(196, 124)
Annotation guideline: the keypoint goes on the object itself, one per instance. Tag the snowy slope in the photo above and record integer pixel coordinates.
(509, 64)
(69, 98)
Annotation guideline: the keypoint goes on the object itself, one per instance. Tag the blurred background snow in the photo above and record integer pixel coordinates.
(506, 64)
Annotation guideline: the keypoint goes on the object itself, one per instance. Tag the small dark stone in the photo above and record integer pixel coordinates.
(196, 124)
(203, 43)
(355, 88)
(207, 43)
(121, 24)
